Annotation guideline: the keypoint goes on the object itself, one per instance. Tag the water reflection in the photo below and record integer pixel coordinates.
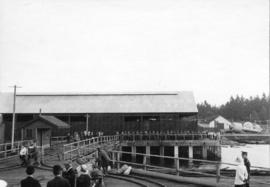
(257, 154)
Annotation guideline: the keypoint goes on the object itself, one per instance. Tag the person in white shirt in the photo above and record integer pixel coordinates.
(241, 174)
(23, 155)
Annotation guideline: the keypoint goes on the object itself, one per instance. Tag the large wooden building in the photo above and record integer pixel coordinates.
(104, 112)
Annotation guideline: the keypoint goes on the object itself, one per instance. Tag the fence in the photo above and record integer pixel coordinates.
(116, 159)
(163, 136)
(6, 150)
(84, 147)
(58, 139)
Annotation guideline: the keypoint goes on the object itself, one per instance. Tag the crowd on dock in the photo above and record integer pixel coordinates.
(88, 173)
(82, 135)
(147, 135)
(168, 135)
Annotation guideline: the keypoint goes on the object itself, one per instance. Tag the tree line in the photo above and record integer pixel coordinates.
(238, 108)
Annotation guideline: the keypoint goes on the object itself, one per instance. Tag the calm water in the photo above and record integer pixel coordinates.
(259, 155)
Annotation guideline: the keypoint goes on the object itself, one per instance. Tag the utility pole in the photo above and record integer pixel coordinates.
(13, 116)
(268, 122)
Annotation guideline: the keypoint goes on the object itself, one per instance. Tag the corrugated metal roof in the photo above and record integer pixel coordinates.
(163, 102)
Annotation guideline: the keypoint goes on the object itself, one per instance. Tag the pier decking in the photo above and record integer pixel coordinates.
(85, 148)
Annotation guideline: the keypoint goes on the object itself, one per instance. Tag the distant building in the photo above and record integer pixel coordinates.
(220, 122)
(40, 129)
(217, 123)
(251, 127)
(107, 112)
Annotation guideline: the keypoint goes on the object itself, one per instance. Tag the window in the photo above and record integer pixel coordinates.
(29, 133)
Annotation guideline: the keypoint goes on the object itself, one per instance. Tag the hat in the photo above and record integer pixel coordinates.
(238, 160)
(3, 183)
(244, 153)
(84, 169)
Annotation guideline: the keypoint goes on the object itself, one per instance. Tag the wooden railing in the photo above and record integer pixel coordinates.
(58, 139)
(84, 147)
(117, 161)
(164, 136)
(7, 152)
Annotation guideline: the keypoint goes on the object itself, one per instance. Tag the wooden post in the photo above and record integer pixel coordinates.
(87, 121)
(42, 154)
(133, 153)
(5, 149)
(147, 157)
(176, 161)
(161, 152)
(70, 151)
(83, 148)
(144, 162)
(190, 154)
(204, 152)
(113, 159)
(22, 134)
(118, 160)
(218, 172)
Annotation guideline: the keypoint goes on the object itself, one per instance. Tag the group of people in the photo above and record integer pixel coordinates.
(77, 136)
(87, 174)
(242, 175)
(28, 152)
(168, 135)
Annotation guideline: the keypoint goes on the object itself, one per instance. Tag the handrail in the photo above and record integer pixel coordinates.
(247, 134)
(187, 159)
(6, 150)
(116, 155)
(85, 145)
(57, 138)
(133, 136)
(16, 142)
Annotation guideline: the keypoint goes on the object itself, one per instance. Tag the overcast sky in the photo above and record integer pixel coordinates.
(215, 48)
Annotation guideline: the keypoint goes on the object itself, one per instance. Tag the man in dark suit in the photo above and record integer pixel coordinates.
(69, 174)
(30, 181)
(58, 180)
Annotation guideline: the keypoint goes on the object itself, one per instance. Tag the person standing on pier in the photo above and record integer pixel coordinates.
(241, 174)
(23, 155)
(33, 152)
(247, 164)
(103, 159)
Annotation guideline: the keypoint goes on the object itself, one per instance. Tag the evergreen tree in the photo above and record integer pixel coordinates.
(238, 109)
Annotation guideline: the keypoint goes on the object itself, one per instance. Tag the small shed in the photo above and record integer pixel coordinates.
(221, 122)
(40, 129)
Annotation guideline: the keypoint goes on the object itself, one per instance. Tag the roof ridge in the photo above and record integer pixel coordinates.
(94, 93)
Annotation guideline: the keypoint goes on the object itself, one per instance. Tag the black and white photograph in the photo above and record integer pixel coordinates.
(134, 93)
